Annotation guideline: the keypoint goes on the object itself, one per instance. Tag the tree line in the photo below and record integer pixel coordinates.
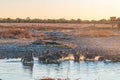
(112, 20)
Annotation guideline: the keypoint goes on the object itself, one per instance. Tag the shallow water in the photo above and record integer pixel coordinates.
(12, 69)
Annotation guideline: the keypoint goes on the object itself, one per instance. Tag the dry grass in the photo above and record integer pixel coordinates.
(72, 46)
(84, 30)
(15, 34)
(98, 33)
(36, 27)
(95, 32)
(23, 31)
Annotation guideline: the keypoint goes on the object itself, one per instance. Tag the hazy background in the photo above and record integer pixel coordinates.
(83, 9)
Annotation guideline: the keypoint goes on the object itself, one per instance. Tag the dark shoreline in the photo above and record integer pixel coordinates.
(15, 51)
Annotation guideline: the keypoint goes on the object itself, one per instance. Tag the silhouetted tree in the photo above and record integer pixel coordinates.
(94, 22)
(28, 19)
(18, 20)
(113, 21)
(78, 20)
(103, 21)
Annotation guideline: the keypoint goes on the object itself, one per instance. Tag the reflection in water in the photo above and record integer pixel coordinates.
(13, 69)
(28, 68)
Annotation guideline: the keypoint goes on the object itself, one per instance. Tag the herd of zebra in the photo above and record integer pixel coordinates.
(58, 57)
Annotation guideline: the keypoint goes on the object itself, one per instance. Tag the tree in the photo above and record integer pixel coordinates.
(18, 20)
(28, 19)
(113, 21)
(118, 25)
(78, 20)
(94, 22)
(104, 21)
(61, 20)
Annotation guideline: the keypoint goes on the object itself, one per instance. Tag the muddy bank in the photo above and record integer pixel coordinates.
(13, 48)
(105, 45)
(19, 49)
(108, 47)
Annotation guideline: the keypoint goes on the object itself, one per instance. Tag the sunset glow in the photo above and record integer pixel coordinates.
(54, 9)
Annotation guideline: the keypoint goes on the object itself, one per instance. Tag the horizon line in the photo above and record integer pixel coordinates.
(59, 18)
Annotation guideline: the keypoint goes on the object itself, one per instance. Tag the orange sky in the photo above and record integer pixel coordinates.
(54, 9)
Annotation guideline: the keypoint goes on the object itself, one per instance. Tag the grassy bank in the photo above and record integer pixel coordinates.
(100, 38)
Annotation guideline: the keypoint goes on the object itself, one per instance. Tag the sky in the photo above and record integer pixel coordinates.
(55, 9)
